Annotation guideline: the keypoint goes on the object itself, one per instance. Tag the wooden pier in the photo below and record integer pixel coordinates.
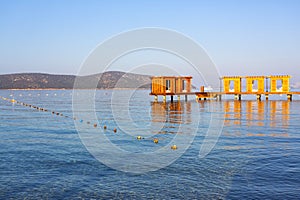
(232, 85)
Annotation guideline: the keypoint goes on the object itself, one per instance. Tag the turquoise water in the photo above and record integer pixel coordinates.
(256, 156)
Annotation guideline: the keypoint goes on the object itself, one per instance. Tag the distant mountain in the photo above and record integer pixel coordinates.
(295, 85)
(106, 80)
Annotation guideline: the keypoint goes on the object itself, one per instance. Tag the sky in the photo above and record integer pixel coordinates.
(242, 37)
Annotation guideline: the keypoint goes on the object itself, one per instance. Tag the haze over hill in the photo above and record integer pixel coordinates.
(107, 80)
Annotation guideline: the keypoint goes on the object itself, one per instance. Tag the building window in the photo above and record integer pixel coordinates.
(168, 84)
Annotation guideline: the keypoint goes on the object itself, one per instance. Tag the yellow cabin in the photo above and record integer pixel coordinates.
(260, 83)
(234, 81)
(283, 80)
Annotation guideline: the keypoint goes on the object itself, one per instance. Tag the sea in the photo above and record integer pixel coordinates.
(245, 149)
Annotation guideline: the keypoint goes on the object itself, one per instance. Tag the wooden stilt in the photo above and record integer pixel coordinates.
(258, 97)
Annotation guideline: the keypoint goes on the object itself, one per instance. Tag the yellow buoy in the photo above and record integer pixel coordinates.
(174, 147)
(155, 140)
(13, 101)
(139, 137)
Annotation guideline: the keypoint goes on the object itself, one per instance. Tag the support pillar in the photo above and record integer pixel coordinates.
(267, 97)
(178, 98)
(237, 97)
(258, 97)
(171, 98)
(155, 98)
(289, 97)
(185, 98)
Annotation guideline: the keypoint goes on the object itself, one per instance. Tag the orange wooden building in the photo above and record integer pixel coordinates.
(232, 85)
(170, 85)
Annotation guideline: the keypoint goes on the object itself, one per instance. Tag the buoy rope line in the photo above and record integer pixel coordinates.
(95, 125)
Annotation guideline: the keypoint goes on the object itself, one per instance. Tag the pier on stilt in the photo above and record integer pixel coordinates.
(232, 85)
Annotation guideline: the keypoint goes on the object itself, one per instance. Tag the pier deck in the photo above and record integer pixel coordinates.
(232, 85)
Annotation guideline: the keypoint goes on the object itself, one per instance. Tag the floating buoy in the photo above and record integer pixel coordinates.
(104, 127)
(174, 147)
(115, 130)
(57, 113)
(53, 112)
(139, 137)
(155, 140)
(95, 125)
(13, 101)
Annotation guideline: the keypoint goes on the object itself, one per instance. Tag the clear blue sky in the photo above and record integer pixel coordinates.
(242, 36)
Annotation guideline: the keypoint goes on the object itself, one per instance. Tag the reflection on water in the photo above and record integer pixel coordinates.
(171, 112)
(268, 114)
(251, 114)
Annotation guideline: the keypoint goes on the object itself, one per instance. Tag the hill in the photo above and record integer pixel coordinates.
(106, 80)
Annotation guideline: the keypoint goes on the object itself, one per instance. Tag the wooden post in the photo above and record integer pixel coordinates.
(185, 97)
(171, 98)
(202, 89)
(267, 97)
(178, 97)
(164, 98)
(219, 97)
(289, 97)
(258, 97)
(237, 97)
(155, 98)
